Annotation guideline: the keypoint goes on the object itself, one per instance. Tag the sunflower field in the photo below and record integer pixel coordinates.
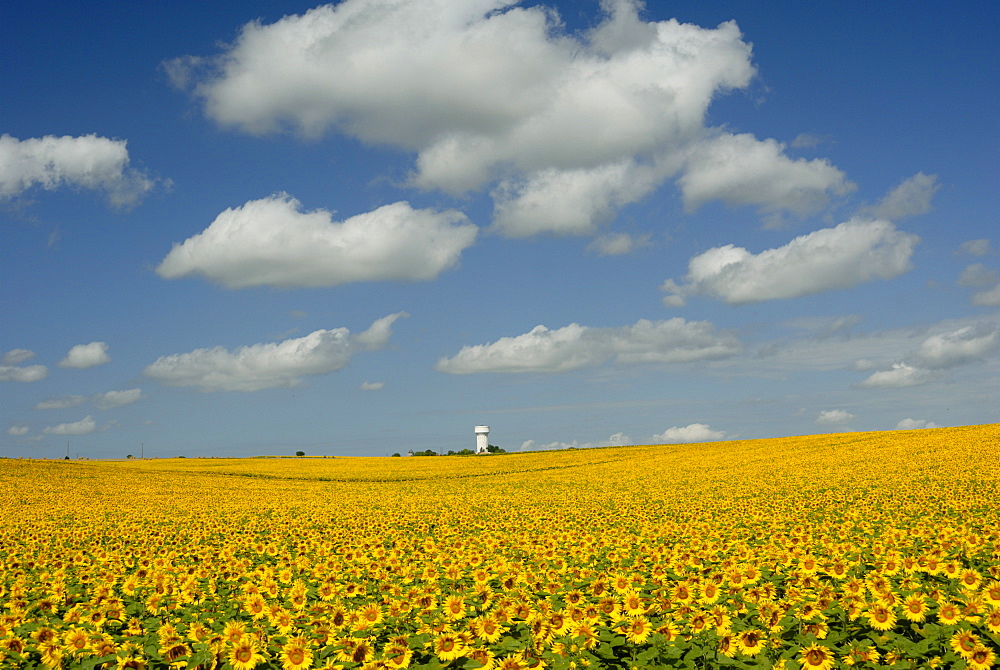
(867, 550)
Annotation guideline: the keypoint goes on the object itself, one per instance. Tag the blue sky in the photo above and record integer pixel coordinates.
(254, 228)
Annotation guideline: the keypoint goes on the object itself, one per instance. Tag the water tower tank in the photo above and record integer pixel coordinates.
(482, 439)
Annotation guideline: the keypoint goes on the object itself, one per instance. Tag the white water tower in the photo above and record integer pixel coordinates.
(482, 439)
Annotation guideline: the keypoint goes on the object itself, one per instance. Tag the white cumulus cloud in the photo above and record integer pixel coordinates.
(272, 242)
(112, 399)
(980, 247)
(937, 353)
(108, 400)
(834, 417)
(62, 402)
(88, 161)
(270, 365)
(84, 426)
(23, 373)
(913, 424)
(617, 244)
(695, 432)
(984, 278)
(849, 254)
(568, 128)
(371, 386)
(912, 197)
(742, 170)
(84, 356)
(18, 429)
(900, 375)
(16, 356)
(574, 347)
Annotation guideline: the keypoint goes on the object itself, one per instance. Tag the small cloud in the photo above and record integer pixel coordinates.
(913, 424)
(912, 197)
(113, 399)
(852, 253)
(61, 403)
(88, 161)
(834, 417)
(372, 386)
(17, 356)
(617, 244)
(806, 141)
(18, 429)
(574, 347)
(978, 275)
(271, 365)
(988, 298)
(979, 247)
(619, 440)
(84, 356)
(900, 375)
(936, 354)
(84, 426)
(272, 242)
(695, 432)
(28, 373)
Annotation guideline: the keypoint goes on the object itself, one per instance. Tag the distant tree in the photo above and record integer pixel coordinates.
(130, 457)
(427, 452)
(300, 453)
(396, 455)
(466, 452)
(494, 449)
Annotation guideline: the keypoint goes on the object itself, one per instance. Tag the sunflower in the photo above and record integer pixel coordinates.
(751, 642)
(488, 628)
(858, 653)
(76, 640)
(728, 646)
(370, 615)
(295, 654)
(982, 658)
(709, 593)
(637, 629)
(818, 629)
(454, 607)
(949, 613)
(448, 646)
(992, 621)
(632, 604)
(964, 642)
(174, 651)
(588, 632)
(397, 655)
(817, 657)
(43, 635)
(880, 617)
(720, 618)
(969, 579)
(245, 655)
(233, 631)
(52, 654)
(255, 606)
(559, 623)
(915, 608)
(483, 656)
(511, 663)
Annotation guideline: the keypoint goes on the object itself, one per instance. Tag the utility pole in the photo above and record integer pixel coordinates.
(142, 450)
(67, 450)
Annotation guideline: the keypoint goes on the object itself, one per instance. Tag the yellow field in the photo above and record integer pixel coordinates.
(859, 549)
